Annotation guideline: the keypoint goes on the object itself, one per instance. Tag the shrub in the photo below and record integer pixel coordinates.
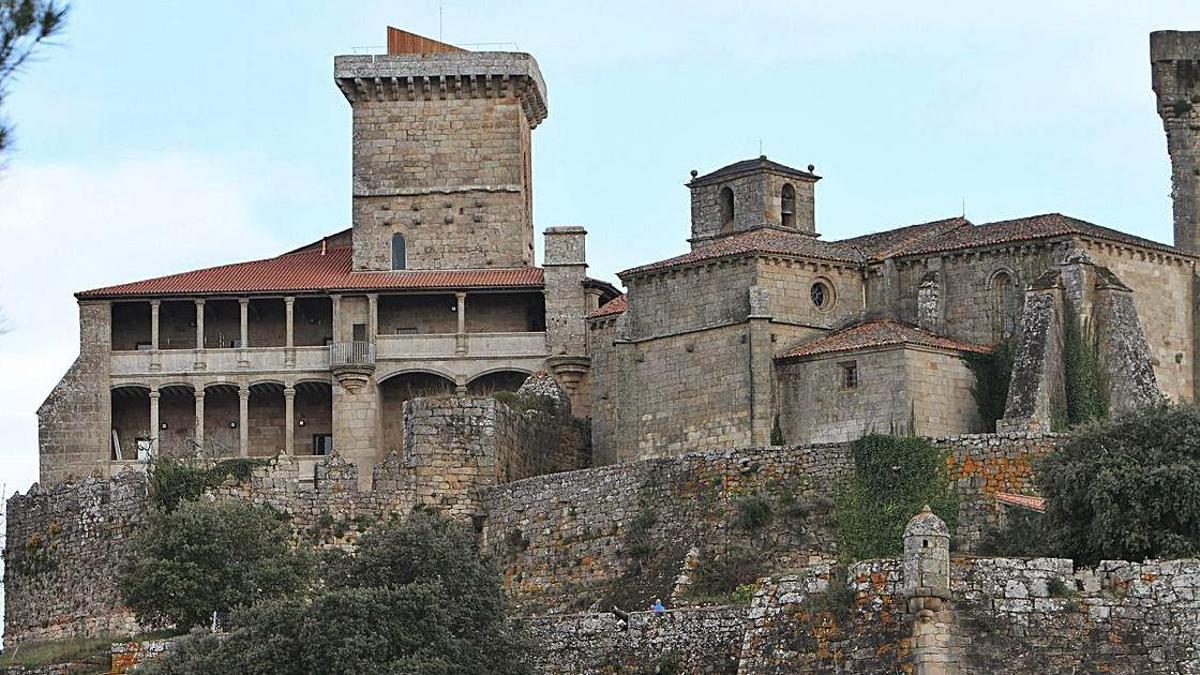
(720, 578)
(201, 558)
(1125, 490)
(1023, 535)
(415, 598)
(754, 512)
(173, 481)
(1083, 373)
(894, 477)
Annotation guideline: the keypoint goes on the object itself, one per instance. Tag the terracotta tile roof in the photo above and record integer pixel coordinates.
(757, 241)
(617, 305)
(879, 333)
(748, 165)
(310, 271)
(1042, 226)
(880, 245)
(1027, 501)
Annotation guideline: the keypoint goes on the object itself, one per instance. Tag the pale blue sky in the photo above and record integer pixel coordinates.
(167, 135)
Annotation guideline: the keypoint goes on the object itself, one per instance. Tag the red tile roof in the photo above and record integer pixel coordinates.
(880, 245)
(617, 305)
(757, 241)
(1044, 226)
(309, 270)
(749, 165)
(880, 333)
(1027, 501)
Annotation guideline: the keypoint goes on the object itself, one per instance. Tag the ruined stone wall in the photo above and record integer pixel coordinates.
(567, 540)
(63, 547)
(74, 421)
(1163, 293)
(816, 408)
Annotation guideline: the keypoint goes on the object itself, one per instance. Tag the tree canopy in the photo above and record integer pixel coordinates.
(201, 557)
(416, 597)
(23, 25)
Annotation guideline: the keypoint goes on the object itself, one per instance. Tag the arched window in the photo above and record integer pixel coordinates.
(1005, 304)
(399, 260)
(787, 205)
(726, 210)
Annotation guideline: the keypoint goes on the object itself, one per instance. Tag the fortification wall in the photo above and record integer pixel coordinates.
(576, 540)
(63, 548)
(1009, 615)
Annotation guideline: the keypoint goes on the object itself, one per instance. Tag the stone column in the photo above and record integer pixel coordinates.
(200, 365)
(761, 355)
(372, 316)
(289, 355)
(460, 339)
(289, 420)
(243, 421)
(336, 300)
(243, 357)
(155, 357)
(460, 386)
(198, 430)
(154, 421)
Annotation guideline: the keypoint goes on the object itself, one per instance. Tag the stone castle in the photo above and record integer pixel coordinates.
(362, 365)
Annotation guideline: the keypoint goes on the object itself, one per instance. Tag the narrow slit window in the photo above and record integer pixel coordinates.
(399, 261)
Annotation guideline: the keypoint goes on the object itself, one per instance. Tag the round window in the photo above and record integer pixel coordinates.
(821, 294)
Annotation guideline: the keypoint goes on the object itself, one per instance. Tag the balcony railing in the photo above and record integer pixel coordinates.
(342, 354)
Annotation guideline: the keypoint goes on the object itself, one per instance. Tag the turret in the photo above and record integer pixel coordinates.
(442, 172)
(1175, 64)
(926, 559)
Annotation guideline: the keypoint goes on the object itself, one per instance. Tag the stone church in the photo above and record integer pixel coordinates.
(762, 332)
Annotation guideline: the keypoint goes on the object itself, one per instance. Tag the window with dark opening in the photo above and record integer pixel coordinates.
(399, 261)
(726, 210)
(849, 374)
(821, 294)
(787, 205)
(322, 444)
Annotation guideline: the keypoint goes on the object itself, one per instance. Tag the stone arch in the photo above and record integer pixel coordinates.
(787, 205)
(267, 381)
(401, 372)
(177, 419)
(222, 414)
(1005, 303)
(726, 203)
(266, 416)
(313, 417)
(399, 387)
(497, 379)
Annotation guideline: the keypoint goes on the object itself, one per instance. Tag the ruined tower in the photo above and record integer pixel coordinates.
(1175, 63)
(442, 176)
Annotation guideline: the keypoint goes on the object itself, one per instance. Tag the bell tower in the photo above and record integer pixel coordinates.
(441, 155)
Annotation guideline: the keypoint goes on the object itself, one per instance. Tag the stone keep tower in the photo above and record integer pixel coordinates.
(750, 195)
(1175, 63)
(441, 147)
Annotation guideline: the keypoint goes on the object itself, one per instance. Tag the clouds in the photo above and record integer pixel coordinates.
(69, 227)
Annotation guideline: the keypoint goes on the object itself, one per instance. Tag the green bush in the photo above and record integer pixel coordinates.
(172, 481)
(894, 477)
(992, 373)
(754, 513)
(720, 578)
(1083, 373)
(200, 558)
(416, 597)
(1125, 490)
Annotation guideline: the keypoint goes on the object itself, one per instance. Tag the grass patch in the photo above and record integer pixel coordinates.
(36, 654)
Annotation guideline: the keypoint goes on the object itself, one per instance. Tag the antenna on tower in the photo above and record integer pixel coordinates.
(964, 207)
(440, 38)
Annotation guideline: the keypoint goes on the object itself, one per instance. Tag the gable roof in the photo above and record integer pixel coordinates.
(887, 243)
(757, 241)
(749, 166)
(309, 270)
(1042, 226)
(880, 333)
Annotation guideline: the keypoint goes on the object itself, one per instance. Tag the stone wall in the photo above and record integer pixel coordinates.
(73, 422)
(569, 541)
(689, 298)
(64, 545)
(816, 408)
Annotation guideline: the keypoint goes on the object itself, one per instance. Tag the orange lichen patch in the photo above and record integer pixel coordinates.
(1149, 576)
(1114, 639)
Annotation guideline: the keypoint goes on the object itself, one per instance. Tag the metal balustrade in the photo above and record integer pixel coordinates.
(357, 353)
